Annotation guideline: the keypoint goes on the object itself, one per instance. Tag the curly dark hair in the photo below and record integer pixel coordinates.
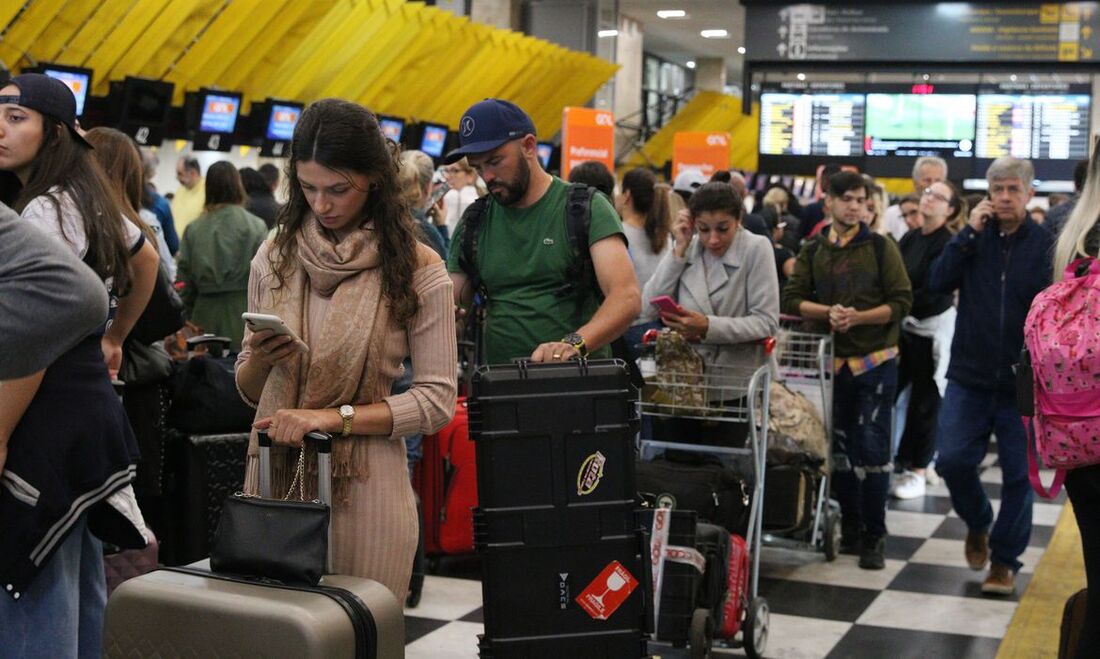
(345, 136)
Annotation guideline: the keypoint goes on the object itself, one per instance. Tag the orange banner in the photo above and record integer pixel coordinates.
(706, 152)
(587, 134)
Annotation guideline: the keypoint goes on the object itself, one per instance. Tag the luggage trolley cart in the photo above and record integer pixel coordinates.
(804, 363)
(727, 395)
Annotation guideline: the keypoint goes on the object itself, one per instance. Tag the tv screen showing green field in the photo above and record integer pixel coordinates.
(920, 124)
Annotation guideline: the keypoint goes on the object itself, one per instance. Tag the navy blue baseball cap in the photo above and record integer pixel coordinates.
(487, 125)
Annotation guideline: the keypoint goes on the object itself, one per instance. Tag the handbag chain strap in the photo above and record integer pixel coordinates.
(299, 477)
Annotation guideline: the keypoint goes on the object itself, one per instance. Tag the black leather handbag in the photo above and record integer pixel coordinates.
(282, 540)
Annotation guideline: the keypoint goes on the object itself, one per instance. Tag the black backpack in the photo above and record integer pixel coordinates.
(580, 276)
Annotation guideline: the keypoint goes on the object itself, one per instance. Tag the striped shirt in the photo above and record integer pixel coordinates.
(860, 365)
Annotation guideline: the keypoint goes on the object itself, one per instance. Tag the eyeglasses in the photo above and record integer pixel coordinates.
(929, 192)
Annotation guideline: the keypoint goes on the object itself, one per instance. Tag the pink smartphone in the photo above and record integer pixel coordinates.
(666, 304)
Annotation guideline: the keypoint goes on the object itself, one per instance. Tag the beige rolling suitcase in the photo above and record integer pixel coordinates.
(190, 612)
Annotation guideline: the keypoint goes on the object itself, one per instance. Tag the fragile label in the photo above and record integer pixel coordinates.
(607, 591)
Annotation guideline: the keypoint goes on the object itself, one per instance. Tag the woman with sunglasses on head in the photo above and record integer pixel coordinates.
(346, 274)
(925, 341)
(68, 451)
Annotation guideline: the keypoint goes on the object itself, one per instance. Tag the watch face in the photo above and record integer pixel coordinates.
(346, 410)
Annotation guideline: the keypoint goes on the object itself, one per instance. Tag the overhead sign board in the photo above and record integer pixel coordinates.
(925, 32)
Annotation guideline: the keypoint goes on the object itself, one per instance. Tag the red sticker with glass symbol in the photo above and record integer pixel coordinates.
(607, 591)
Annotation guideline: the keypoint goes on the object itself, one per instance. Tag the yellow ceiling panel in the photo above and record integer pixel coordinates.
(48, 46)
(171, 33)
(393, 64)
(468, 79)
(291, 32)
(342, 48)
(706, 111)
(122, 39)
(90, 35)
(23, 34)
(364, 61)
(174, 33)
(9, 10)
(304, 61)
(227, 40)
(437, 60)
(243, 72)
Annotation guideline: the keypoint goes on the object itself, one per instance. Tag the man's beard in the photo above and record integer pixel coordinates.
(508, 193)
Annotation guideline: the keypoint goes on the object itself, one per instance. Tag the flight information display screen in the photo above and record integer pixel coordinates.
(925, 120)
(804, 123)
(1039, 126)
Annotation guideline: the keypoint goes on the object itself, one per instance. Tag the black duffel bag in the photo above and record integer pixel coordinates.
(697, 482)
(205, 400)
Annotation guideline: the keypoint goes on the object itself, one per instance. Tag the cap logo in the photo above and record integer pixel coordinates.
(467, 126)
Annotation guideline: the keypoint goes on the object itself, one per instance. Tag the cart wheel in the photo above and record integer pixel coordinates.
(701, 634)
(831, 541)
(755, 629)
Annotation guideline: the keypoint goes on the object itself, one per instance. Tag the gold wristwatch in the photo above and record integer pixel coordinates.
(347, 413)
(577, 341)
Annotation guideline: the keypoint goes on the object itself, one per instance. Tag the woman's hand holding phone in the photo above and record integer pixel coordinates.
(683, 228)
(271, 340)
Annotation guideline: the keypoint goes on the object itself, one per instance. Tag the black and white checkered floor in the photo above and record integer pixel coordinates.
(926, 603)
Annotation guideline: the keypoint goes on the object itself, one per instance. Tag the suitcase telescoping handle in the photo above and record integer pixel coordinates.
(324, 475)
(324, 465)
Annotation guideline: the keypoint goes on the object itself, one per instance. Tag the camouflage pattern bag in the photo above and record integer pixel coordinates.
(679, 383)
(794, 426)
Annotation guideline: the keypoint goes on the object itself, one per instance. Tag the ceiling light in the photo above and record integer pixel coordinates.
(607, 33)
(1012, 77)
(801, 76)
(691, 64)
(740, 50)
(926, 76)
(672, 13)
(714, 34)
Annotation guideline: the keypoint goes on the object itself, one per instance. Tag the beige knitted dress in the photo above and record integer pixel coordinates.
(374, 533)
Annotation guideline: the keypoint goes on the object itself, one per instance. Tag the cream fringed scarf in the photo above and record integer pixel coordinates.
(335, 370)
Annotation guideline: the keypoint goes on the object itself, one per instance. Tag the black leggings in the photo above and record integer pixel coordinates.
(917, 367)
(1083, 487)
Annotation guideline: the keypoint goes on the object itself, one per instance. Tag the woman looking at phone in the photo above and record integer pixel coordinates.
(347, 275)
(724, 280)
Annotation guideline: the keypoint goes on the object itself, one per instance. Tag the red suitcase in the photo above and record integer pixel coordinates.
(447, 486)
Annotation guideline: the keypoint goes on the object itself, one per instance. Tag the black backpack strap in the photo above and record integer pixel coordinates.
(471, 234)
(578, 220)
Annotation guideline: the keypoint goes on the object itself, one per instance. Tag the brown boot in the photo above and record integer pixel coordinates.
(1001, 580)
(977, 550)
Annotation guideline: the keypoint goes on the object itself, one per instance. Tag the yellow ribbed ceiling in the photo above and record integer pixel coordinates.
(396, 57)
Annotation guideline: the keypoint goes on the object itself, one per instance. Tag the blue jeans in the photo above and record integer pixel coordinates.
(967, 417)
(61, 614)
(863, 406)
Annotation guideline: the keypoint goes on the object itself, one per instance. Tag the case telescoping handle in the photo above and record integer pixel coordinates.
(324, 465)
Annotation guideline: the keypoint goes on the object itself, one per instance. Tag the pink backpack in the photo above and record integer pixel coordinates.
(1062, 336)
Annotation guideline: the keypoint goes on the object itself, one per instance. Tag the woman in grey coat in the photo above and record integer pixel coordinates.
(723, 279)
(725, 284)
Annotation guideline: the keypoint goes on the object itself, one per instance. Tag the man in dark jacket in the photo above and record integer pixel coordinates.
(855, 280)
(998, 263)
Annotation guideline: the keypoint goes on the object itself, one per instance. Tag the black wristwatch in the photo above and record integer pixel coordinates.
(577, 341)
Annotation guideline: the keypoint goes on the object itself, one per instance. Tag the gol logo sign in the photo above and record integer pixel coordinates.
(605, 119)
(591, 471)
(717, 140)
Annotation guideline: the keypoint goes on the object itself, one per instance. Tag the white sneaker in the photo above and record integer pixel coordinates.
(909, 485)
(931, 476)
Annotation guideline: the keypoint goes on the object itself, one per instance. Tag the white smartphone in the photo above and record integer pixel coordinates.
(260, 321)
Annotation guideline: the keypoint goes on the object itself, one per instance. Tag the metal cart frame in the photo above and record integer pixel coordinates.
(804, 359)
(729, 394)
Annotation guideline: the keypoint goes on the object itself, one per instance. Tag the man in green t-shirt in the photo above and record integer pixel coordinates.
(524, 253)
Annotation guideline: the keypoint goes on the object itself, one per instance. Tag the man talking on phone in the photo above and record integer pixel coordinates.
(523, 261)
(998, 263)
